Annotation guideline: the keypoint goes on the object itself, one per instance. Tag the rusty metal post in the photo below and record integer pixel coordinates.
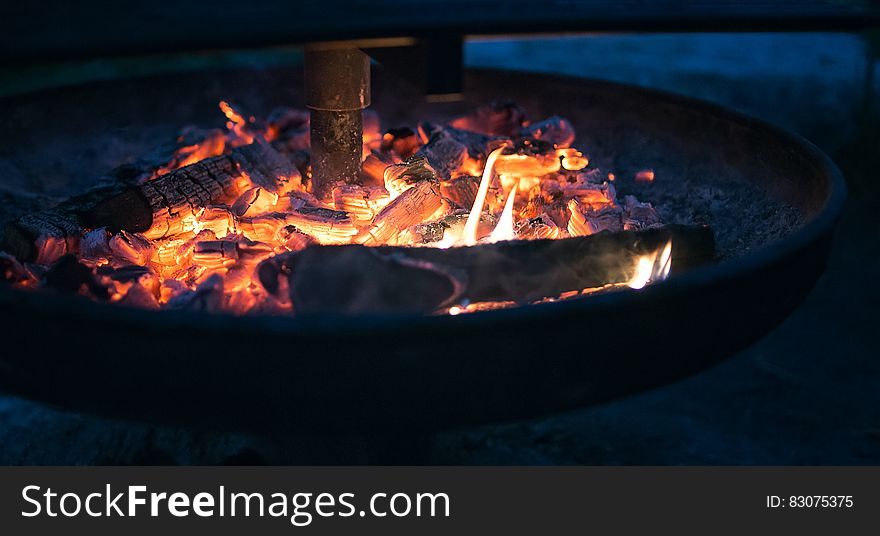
(337, 89)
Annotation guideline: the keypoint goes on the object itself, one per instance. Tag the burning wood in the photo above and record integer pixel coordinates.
(361, 202)
(215, 253)
(373, 169)
(267, 168)
(462, 190)
(176, 199)
(555, 130)
(228, 221)
(197, 144)
(452, 152)
(131, 247)
(167, 205)
(354, 279)
(254, 201)
(400, 177)
(540, 228)
(444, 153)
(531, 157)
(401, 142)
(413, 206)
(325, 225)
(450, 225)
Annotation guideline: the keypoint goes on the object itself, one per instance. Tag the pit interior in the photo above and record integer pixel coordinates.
(58, 143)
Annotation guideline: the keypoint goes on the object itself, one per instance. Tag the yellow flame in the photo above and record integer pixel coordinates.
(649, 268)
(447, 241)
(665, 261)
(644, 266)
(469, 235)
(504, 229)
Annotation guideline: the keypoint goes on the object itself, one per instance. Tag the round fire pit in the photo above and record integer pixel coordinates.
(770, 197)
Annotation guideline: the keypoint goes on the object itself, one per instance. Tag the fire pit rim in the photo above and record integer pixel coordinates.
(321, 325)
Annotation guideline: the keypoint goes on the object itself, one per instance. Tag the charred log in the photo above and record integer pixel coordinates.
(423, 280)
(161, 207)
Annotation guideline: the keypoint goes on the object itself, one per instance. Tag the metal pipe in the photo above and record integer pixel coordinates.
(337, 89)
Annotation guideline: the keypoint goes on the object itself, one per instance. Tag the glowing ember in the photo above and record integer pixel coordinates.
(504, 229)
(228, 201)
(645, 175)
(237, 124)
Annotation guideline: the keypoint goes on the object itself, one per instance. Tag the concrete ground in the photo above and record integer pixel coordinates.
(808, 393)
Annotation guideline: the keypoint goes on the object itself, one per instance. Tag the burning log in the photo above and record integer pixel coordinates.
(356, 279)
(161, 207)
(215, 253)
(43, 237)
(413, 206)
(175, 199)
(263, 227)
(293, 239)
(131, 285)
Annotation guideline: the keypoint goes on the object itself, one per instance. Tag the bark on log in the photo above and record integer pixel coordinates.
(355, 279)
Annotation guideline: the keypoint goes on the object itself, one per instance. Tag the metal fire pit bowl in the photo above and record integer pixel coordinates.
(772, 198)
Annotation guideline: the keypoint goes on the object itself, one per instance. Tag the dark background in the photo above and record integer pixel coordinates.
(808, 393)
